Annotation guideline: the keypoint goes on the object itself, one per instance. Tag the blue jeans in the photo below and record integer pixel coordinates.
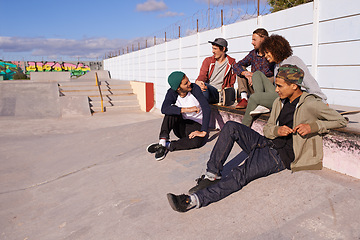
(262, 161)
(211, 94)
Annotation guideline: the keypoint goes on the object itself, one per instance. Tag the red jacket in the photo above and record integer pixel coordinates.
(207, 68)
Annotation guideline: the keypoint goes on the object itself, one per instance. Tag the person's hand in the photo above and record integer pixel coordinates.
(197, 134)
(190, 109)
(201, 84)
(284, 131)
(194, 109)
(248, 76)
(303, 129)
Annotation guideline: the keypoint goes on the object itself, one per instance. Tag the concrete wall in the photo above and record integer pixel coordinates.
(323, 33)
(49, 76)
(26, 99)
(144, 93)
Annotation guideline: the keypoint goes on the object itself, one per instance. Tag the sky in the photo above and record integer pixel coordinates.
(71, 30)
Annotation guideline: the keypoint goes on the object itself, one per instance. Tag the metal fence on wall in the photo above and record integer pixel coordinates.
(224, 13)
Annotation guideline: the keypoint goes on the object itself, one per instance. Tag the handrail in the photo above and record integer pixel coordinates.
(101, 96)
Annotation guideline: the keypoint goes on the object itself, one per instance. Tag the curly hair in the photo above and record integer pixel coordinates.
(278, 46)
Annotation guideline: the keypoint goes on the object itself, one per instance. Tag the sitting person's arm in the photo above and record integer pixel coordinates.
(168, 107)
(196, 91)
(203, 75)
(325, 118)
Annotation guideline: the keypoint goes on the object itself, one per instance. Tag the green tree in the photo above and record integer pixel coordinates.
(277, 5)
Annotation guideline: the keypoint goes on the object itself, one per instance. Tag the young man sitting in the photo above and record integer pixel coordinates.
(187, 113)
(293, 140)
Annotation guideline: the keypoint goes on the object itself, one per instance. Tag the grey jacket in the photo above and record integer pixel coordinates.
(309, 82)
(308, 149)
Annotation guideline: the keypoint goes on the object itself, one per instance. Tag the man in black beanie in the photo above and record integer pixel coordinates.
(187, 113)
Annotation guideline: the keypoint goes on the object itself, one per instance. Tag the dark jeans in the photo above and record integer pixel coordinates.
(182, 128)
(262, 160)
(211, 94)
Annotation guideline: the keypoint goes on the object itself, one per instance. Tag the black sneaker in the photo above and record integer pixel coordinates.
(202, 183)
(180, 203)
(161, 153)
(152, 148)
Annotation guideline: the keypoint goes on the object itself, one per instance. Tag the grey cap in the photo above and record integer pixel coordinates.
(220, 41)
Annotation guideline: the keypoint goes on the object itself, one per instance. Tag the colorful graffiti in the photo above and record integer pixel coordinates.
(75, 69)
(8, 70)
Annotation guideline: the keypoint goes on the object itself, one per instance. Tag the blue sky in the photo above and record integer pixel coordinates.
(86, 30)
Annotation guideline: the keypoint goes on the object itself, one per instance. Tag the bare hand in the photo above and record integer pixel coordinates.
(248, 76)
(284, 131)
(190, 109)
(202, 85)
(197, 134)
(303, 129)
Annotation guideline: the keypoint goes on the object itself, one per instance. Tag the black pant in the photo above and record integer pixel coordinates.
(182, 128)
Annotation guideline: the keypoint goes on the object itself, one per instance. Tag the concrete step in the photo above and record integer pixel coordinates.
(95, 92)
(115, 108)
(118, 103)
(113, 84)
(114, 97)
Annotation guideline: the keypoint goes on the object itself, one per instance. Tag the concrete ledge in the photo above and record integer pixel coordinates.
(145, 94)
(26, 99)
(49, 76)
(341, 146)
(74, 106)
(103, 75)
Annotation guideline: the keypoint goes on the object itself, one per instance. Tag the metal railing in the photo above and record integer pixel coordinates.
(101, 96)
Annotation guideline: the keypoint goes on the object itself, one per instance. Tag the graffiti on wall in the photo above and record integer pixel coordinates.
(21, 69)
(8, 70)
(75, 69)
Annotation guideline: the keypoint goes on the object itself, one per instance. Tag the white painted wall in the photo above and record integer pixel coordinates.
(325, 34)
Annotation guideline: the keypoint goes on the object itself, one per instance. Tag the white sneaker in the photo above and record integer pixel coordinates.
(259, 110)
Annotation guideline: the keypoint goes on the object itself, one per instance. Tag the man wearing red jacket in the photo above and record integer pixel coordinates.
(216, 71)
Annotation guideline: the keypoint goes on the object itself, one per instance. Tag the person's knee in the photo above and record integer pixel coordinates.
(229, 125)
(257, 74)
(197, 142)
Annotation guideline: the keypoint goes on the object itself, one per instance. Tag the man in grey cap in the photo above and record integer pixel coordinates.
(216, 71)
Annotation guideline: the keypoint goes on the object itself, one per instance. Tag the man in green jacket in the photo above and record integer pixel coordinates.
(292, 140)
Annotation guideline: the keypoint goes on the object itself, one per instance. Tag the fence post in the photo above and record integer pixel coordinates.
(315, 40)
(222, 17)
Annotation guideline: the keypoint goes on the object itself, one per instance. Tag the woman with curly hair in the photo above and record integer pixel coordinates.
(277, 50)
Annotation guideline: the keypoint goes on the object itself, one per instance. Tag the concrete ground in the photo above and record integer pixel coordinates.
(91, 178)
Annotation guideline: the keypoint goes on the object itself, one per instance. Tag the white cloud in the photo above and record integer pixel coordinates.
(84, 48)
(231, 2)
(171, 14)
(151, 6)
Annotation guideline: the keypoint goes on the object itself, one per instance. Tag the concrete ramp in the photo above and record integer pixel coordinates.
(50, 76)
(29, 99)
(103, 75)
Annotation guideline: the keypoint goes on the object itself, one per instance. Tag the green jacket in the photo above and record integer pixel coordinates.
(308, 149)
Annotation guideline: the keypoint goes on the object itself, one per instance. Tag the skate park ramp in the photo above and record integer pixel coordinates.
(36, 100)
(50, 76)
(102, 74)
(28, 99)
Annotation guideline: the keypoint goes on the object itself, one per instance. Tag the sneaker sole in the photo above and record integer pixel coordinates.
(242, 107)
(172, 200)
(147, 149)
(257, 113)
(162, 157)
